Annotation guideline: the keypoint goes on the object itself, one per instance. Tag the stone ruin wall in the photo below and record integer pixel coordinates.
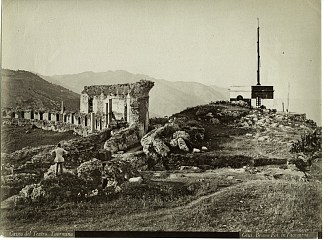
(129, 101)
(49, 120)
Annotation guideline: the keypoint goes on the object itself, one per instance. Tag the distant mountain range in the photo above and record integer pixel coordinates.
(166, 97)
(28, 90)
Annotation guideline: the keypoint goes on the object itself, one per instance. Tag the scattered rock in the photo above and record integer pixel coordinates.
(249, 135)
(210, 114)
(204, 149)
(214, 121)
(188, 168)
(136, 180)
(196, 150)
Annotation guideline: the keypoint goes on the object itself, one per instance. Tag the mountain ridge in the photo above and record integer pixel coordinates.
(166, 97)
(25, 89)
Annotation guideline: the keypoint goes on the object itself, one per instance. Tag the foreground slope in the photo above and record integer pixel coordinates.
(256, 170)
(27, 90)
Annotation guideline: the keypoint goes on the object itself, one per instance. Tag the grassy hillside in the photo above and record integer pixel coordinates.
(213, 202)
(166, 97)
(251, 178)
(28, 90)
(14, 138)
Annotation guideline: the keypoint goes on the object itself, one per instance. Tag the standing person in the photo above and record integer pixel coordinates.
(59, 151)
(104, 156)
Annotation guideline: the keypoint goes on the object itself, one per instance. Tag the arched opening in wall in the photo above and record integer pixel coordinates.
(72, 118)
(4, 114)
(96, 124)
(40, 116)
(32, 114)
(57, 117)
(85, 121)
(65, 118)
(79, 120)
(90, 105)
(22, 114)
(239, 98)
(49, 117)
(12, 115)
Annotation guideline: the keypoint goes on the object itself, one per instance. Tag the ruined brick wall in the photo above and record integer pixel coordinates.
(52, 121)
(130, 102)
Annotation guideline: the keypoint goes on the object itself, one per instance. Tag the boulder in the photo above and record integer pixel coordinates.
(204, 149)
(119, 171)
(138, 159)
(33, 192)
(122, 140)
(182, 145)
(161, 148)
(154, 140)
(90, 170)
(174, 143)
(181, 134)
(196, 150)
(136, 180)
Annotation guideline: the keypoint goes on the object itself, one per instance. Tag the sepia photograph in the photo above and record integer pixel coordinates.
(160, 118)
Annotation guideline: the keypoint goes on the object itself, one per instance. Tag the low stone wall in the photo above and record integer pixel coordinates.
(55, 126)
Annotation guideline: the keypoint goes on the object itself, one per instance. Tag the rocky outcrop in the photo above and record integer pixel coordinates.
(182, 145)
(154, 142)
(123, 139)
(138, 159)
(30, 164)
(90, 171)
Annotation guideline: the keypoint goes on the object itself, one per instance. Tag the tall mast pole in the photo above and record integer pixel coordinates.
(258, 48)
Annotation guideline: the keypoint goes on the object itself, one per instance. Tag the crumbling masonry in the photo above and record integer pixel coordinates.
(101, 106)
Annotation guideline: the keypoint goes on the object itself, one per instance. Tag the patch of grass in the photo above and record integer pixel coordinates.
(210, 201)
(14, 138)
(254, 206)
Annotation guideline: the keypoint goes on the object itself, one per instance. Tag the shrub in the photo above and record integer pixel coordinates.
(309, 143)
(64, 188)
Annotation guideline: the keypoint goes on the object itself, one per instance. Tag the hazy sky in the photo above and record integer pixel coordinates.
(212, 42)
